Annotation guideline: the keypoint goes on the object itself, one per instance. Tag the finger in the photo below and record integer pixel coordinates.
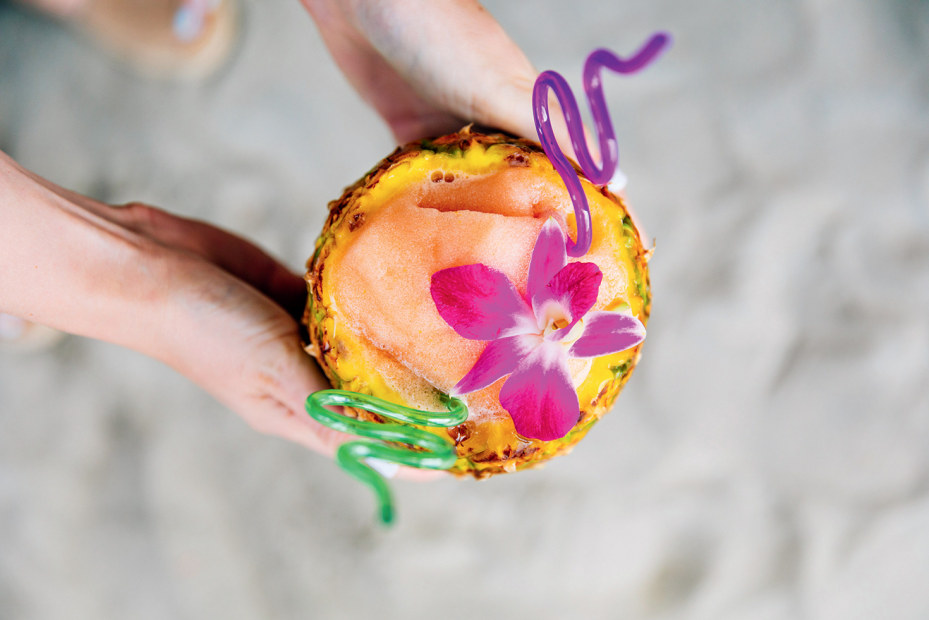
(297, 381)
(429, 68)
(456, 56)
(247, 352)
(420, 475)
(414, 61)
(298, 426)
(408, 114)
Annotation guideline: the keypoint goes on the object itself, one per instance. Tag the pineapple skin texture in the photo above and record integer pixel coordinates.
(490, 447)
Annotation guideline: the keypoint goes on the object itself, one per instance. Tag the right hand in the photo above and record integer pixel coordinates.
(429, 67)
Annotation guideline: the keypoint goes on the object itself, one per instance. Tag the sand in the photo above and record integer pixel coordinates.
(769, 459)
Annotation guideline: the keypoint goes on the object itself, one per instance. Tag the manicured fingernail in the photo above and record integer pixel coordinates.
(384, 468)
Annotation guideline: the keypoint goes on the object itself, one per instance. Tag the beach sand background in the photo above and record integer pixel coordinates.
(769, 459)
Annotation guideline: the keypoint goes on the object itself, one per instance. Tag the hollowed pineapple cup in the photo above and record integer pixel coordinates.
(460, 199)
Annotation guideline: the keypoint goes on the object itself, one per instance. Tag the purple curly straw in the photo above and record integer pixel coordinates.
(593, 87)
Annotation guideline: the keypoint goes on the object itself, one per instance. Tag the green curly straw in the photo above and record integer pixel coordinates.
(437, 453)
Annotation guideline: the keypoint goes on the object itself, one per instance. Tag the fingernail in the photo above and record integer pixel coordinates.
(618, 182)
(188, 23)
(11, 327)
(384, 468)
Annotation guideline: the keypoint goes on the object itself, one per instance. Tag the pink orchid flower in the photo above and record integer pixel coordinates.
(532, 338)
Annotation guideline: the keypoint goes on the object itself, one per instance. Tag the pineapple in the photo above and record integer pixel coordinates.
(459, 199)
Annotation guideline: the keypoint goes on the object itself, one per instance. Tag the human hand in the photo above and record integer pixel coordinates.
(233, 311)
(204, 301)
(429, 67)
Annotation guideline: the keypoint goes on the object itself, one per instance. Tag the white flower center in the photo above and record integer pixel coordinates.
(554, 324)
(574, 333)
(552, 317)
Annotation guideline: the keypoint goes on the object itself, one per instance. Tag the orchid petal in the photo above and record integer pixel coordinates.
(548, 257)
(539, 395)
(574, 288)
(500, 358)
(607, 332)
(478, 302)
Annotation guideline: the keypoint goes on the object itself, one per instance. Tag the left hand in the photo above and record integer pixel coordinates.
(212, 305)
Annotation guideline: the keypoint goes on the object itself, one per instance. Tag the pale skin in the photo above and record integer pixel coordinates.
(212, 305)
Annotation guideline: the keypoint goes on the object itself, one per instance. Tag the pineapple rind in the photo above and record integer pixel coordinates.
(342, 354)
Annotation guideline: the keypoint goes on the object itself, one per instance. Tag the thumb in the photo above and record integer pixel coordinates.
(456, 56)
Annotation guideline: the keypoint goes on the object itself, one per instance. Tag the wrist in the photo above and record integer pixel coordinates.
(70, 264)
